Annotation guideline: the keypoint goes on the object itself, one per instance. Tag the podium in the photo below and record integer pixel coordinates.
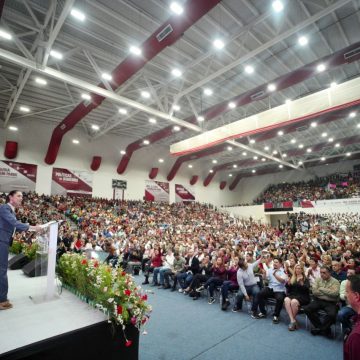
(45, 262)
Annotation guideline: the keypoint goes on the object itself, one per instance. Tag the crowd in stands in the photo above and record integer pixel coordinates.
(337, 186)
(198, 251)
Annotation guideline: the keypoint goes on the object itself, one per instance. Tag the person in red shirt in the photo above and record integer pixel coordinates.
(352, 343)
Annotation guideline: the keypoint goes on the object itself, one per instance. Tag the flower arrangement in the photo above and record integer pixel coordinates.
(30, 250)
(109, 289)
(17, 247)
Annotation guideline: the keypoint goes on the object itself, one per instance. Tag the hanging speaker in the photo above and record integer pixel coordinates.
(11, 148)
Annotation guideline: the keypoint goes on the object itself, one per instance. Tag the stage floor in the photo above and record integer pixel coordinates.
(28, 322)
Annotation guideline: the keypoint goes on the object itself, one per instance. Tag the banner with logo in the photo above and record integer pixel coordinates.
(71, 182)
(183, 195)
(278, 206)
(156, 191)
(17, 176)
(351, 204)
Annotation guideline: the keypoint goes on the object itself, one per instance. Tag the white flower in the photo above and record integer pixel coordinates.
(110, 300)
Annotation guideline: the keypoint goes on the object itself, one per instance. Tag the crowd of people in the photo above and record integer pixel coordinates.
(336, 186)
(194, 249)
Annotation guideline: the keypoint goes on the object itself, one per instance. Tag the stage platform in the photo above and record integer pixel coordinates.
(28, 323)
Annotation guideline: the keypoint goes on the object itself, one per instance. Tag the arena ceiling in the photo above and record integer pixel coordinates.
(175, 75)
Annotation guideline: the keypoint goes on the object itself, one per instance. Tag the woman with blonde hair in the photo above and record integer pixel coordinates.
(298, 294)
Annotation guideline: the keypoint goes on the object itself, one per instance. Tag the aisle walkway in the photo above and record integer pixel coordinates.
(183, 329)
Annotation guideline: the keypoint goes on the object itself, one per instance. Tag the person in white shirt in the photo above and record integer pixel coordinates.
(313, 272)
(168, 263)
(276, 289)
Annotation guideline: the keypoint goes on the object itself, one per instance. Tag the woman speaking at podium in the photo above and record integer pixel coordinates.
(8, 226)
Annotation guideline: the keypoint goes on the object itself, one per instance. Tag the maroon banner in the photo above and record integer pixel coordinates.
(278, 206)
(17, 176)
(71, 182)
(306, 204)
(156, 191)
(182, 194)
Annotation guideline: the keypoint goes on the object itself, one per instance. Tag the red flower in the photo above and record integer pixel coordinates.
(128, 343)
(96, 264)
(144, 320)
(84, 262)
(127, 292)
(123, 273)
(133, 320)
(119, 309)
(144, 297)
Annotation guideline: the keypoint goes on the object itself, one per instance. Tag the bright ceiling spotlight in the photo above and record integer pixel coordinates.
(352, 114)
(176, 8)
(176, 107)
(229, 148)
(208, 92)
(76, 141)
(122, 111)
(176, 128)
(230, 175)
(293, 141)
(232, 105)
(309, 150)
(278, 6)
(322, 158)
(77, 14)
(281, 166)
(249, 69)
(95, 127)
(253, 171)
(303, 40)
(190, 166)
(135, 50)
(106, 76)
(200, 118)
(152, 121)
(348, 154)
(271, 87)
(280, 133)
(122, 152)
(40, 81)
(234, 166)
(56, 54)
(86, 96)
(161, 160)
(321, 68)
(13, 128)
(324, 134)
(301, 146)
(5, 35)
(146, 142)
(176, 72)
(145, 94)
(218, 44)
(24, 109)
(244, 153)
(313, 124)
(252, 141)
(214, 161)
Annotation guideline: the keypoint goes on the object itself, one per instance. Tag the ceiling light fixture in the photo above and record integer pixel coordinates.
(280, 133)
(176, 128)
(146, 142)
(321, 67)
(229, 148)
(56, 54)
(348, 154)
(293, 141)
(301, 146)
(161, 160)
(278, 6)
(13, 128)
(76, 141)
(77, 14)
(300, 163)
(281, 166)
(176, 107)
(287, 101)
(303, 40)
(309, 150)
(313, 124)
(249, 69)
(323, 158)
(190, 166)
(176, 72)
(122, 111)
(5, 35)
(214, 161)
(244, 153)
(135, 50)
(40, 81)
(234, 166)
(218, 44)
(176, 8)
(271, 87)
(333, 84)
(95, 127)
(284, 155)
(255, 157)
(263, 159)
(86, 96)
(275, 152)
(145, 94)
(232, 105)
(337, 145)
(324, 134)
(330, 139)
(122, 152)
(352, 114)
(253, 171)
(106, 76)
(152, 121)
(24, 109)
(252, 141)
(200, 118)
(208, 92)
